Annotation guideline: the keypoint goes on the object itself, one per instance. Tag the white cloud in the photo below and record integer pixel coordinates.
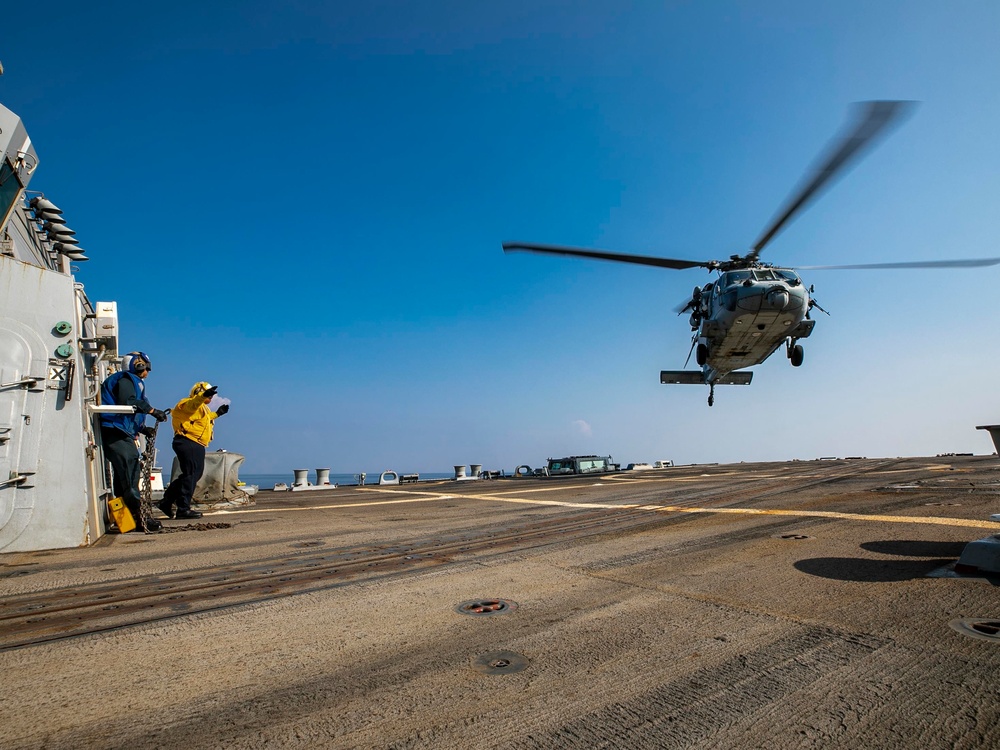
(583, 428)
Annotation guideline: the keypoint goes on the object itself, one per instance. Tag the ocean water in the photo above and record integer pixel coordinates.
(267, 481)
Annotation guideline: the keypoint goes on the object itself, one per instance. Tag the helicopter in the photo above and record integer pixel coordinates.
(754, 308)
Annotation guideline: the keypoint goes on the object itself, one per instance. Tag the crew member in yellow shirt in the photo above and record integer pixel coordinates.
(193, 423)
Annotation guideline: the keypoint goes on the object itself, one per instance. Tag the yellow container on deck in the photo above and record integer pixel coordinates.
(121, 515)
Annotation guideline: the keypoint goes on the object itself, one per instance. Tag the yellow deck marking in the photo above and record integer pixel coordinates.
(429, 498)
(756, 512)
(994, 525)
(525, 491)
(424, 497)
(926, 467)
(632, 478)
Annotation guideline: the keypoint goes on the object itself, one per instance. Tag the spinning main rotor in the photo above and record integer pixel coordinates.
(871, 121)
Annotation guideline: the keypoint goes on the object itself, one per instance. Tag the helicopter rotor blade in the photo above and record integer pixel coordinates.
(642, 260)
(872, 119)
(970, 263)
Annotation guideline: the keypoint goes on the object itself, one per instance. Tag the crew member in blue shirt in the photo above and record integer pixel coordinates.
(119, 432)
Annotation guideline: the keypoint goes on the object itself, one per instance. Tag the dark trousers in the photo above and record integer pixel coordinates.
(123, 454)
(191, 461)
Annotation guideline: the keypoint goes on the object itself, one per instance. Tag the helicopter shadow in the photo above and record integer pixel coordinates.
(915, 548)
(869, 571)
(936, 556)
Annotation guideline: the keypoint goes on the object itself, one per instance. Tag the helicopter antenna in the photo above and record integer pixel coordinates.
(872, 120)
(694, 340)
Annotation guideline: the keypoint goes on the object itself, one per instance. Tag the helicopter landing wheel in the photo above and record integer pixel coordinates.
(796, 355)
(711, 394)
(701, 354)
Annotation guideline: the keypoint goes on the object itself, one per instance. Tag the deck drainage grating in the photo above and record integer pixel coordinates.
(500, 662)
(978, 627)
(485, 607)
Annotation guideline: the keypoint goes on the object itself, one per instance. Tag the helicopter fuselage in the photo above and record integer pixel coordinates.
(746, 315)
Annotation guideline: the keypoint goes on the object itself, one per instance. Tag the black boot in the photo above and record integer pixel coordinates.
(152, 525)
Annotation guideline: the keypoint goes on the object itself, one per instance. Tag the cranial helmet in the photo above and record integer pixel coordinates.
(136, 363)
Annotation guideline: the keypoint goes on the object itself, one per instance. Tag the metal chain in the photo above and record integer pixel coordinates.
(146, 461)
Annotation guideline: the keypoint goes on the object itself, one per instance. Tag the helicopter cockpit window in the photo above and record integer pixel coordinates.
(735, 277)
(764, 274)
(787, 276)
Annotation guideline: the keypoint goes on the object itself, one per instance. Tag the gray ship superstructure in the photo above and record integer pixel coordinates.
(56, 346)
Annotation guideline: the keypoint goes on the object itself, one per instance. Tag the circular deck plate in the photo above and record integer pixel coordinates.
(978, 627)
(500, 662)
(486, 607)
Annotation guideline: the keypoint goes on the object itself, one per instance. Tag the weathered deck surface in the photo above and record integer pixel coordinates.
(753, 605)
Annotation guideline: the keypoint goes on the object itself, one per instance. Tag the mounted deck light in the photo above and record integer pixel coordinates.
(57, 230)
(49, 216)
(44, 204)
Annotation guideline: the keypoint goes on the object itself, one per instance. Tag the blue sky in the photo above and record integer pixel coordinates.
(305, 202)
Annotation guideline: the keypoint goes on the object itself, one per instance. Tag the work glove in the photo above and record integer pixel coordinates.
(222, 410)
(159, 415)
(147, 431)
(210, 393)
